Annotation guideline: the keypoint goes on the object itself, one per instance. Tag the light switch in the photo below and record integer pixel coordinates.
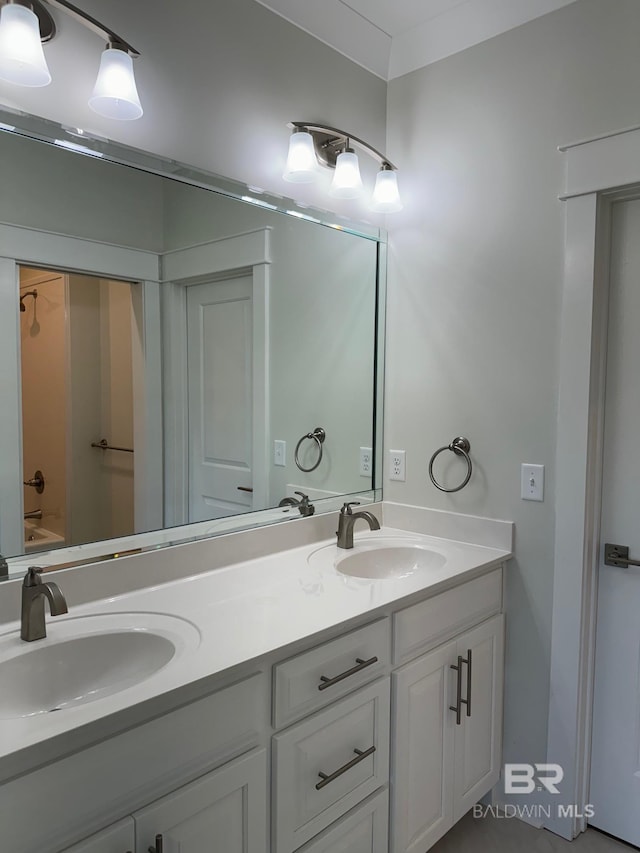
(280, 453)
(532, 482)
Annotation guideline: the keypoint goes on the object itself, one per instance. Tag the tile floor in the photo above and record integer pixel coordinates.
(491, 835)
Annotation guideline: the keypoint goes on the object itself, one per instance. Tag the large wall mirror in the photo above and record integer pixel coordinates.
(173, 357)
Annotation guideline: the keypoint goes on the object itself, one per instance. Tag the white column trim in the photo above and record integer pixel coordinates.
(597, 172)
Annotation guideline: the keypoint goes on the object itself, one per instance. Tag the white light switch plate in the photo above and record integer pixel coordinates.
(531, 482)
(280, 453)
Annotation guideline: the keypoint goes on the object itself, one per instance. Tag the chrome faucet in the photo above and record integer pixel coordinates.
(347, 520)
(34, 592)
(304, 507)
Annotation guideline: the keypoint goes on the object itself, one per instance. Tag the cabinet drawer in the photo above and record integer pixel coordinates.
(316, 678)
(82, 793)
(423, 626)
(319, 773)
(363, 830)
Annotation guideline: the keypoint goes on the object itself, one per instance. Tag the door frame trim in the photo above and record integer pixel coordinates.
(248, 252)
(599, 172)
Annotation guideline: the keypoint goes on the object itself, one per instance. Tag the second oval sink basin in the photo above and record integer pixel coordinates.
(86, 659)
(393, 561)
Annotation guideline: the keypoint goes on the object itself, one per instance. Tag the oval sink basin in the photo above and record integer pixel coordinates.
(393, 561)
(86, 659)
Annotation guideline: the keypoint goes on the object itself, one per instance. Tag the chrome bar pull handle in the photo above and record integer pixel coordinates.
(360, 665)
(458, 706)
(618, 556)
(467, 701)
(158, 846)
(325, 779)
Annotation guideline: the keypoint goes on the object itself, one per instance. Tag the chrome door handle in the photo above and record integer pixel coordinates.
(618, 556)
(459, 700)
(158, 847)
(360, 756)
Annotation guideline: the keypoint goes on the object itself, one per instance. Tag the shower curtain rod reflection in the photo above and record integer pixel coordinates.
(103, 444)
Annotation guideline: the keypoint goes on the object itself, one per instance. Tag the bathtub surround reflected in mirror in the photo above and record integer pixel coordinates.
(176, 345)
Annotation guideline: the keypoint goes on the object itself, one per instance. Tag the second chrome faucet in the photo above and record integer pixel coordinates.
(347, 521)
(34, 592)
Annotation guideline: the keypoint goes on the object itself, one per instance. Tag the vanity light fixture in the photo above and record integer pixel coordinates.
(25, 25)
(313, 146)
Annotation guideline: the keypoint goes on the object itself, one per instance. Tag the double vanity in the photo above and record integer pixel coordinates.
(261, 692)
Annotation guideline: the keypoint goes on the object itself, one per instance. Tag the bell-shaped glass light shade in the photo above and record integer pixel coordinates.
(302, 166)
(21, 56)
(347, 182)
(115, 94)
(386, 197)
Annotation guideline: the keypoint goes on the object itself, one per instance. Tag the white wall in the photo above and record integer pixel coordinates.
(219, 80)
(476, 266)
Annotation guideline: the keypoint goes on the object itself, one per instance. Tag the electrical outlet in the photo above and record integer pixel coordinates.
(280, 453)
(531, 482)
(366, 463)
(397, 465)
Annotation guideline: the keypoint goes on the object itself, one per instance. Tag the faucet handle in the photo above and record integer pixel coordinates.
(32, 577)
(346, 508)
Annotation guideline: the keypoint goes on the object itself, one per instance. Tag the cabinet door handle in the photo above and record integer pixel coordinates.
(360, 756)
(360, 665)
(459, 700)
(458, 706)
(158, 847)
(467, 701)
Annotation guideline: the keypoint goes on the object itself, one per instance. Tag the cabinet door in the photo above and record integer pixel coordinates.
(422, 769)
(226, 809)
(118, 838)
(478, 739)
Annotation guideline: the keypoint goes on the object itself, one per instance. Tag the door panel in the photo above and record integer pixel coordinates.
(422, 777)
(220, 345)
(119, 838)
(478, 740)
(226, 809)
(615, 764)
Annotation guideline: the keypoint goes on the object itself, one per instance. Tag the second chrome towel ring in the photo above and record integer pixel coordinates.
(461, 447)
(318, 435)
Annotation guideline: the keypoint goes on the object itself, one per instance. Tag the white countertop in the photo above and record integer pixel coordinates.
(240, 614)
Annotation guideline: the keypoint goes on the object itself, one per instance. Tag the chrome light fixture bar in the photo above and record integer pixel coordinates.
(313, 145)
(25, 25)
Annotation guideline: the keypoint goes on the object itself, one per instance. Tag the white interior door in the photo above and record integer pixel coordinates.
(220, 370)
(615, 766)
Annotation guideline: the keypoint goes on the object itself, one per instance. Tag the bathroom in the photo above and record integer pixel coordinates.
(476, 258)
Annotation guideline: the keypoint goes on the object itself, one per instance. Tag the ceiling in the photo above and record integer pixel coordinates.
(393, 37)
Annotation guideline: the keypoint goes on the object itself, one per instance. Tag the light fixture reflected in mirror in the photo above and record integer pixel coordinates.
(312, 145)
(26, 24)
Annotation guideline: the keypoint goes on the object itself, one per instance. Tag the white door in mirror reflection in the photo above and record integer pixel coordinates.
(219, 358)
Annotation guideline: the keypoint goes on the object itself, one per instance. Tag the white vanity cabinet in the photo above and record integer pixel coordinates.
(447, 735)
(346, 745)
(119, 838)
(226, 809)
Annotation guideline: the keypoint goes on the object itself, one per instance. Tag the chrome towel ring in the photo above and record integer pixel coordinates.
(318, 435)
(461, 447)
